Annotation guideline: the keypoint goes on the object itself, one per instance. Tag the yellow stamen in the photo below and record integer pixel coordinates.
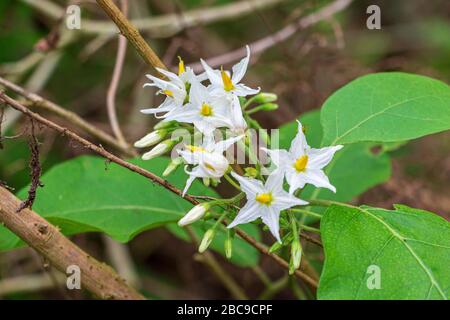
(195, 148)
(264, 198)
(181, 68)
(209, 166)
(168, 93)
(206, 110)
(227, 83)
(300, 163)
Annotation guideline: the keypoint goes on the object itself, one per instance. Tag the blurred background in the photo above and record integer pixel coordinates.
(74, 67)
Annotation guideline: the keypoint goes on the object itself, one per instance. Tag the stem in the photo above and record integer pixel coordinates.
(308, 228)
(307, 212)
(232, 182)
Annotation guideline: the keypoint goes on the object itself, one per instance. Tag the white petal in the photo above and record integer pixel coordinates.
(279, 157)
(285, 201)
(319, 179)
(221, 146)
(319, 158)
(248, 213)
(271, 218)
(240, 68)
(249, 185)
(295, 180)
(213, 75)
(242, 90)
(299, 144)
(188, 184)
(275, 180)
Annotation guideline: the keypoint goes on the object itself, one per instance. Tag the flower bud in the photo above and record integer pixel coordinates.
(159, 149)
(150, 139)
(165, 124)
(296, 256)
(265, 97)
(229, 244)
(268, 107)
(194, 214)
(207, 239)
(206, 182)
(251, 172)
(172, 166)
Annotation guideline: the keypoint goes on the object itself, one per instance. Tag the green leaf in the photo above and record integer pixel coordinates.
(386, 107)
(353, 170)
(411, 247)
(86, 194)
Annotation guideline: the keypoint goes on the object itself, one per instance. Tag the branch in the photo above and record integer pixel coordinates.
(39, 102)
(46, 239)
(265, 43)
(112, 90)
(154, 178)
(166, 25)
(132, 34)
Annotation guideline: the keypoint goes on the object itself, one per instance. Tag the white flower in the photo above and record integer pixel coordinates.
(303, 164)
(208, 159)
(194, 214)
(265, 201)
(176, 88)
(206, 112)
(224, 85)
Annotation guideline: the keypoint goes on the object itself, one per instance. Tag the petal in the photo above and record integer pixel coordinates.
(319, 179)
(248, 213)
(188, 184)
(271, 217)
(275, 180)
(279, 157)
(284, 200)
(249, 185)
(213, 75)
(172, 76)
(295, 180)
(221, 146)
(299, 144)
(319, 158)
(242, 90)
(240, 68)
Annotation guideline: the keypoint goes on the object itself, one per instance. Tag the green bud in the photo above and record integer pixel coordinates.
(165, 124)
(206, 182)
(207, 239)
(265, 97)
(229, 244)
(268, 107)
(296, 256)
(215, 182)
(251, 172)
(172, 166)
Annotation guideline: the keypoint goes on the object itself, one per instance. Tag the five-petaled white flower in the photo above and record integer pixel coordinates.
(208, 159)
(265, 201)
(224, 85)
(303, 164)
(206, 112)
(176, 88)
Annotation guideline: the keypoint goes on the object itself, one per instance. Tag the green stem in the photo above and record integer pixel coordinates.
(232, 182)
(308, 228)
(307, 212)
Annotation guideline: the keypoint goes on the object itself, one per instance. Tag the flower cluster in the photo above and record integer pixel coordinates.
(216, 100)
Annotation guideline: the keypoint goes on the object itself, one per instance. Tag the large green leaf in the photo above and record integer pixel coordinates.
(410, 247)
(353, 170)
(386, 107)
(86, 194)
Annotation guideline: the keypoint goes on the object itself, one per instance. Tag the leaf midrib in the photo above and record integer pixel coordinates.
(377, 114)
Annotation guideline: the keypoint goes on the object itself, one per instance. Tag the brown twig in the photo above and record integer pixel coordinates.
(154, 178)
(46, 239)
(44, 104)
(112, 90)
(35, 170)
(132, 34)
(265, 43)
